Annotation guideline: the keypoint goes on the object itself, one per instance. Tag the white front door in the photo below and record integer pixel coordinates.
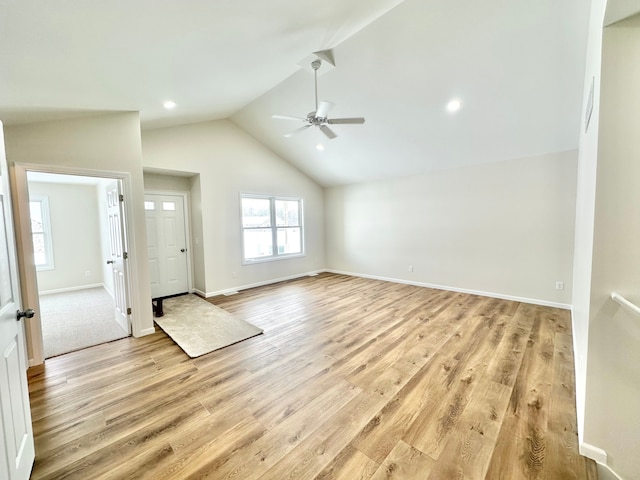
(17, 451)
(118, 260)
(166, 244)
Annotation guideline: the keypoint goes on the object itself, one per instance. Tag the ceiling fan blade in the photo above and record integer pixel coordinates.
(328, 132)
(287, 117)
(296, 131)
(335, 121)
(323, 109)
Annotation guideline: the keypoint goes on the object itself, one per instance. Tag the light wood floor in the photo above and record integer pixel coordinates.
(352, 379)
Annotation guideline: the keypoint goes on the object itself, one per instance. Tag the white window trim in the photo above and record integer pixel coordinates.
(46, 227)
(274, 229)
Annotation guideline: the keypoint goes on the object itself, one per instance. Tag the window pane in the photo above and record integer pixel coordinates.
(287, 213)
(35, 211)
(149, 205)
(41, 232)
(39, 250)
(258, 243)
(256, 213)
(168, 206)
(289, 241)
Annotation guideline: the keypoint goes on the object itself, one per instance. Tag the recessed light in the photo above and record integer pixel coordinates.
(320, 147)
(169, 104)
(454, 105)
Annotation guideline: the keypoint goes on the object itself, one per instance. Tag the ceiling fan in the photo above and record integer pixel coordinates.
(319, 117)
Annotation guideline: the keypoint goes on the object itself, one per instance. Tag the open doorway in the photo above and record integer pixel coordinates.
(73, 239)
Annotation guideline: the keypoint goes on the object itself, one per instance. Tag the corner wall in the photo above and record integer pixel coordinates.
(503, 229)
(73, 254)
(106, 143)
(612, 413)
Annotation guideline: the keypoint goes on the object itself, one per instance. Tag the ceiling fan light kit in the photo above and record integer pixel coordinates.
(319, 117)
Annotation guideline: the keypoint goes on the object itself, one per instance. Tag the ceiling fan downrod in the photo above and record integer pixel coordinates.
(316, 65)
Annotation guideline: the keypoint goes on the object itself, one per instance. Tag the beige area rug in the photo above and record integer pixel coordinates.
(199, 327)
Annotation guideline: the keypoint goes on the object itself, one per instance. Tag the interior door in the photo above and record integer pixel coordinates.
(118, 260)
(166, 244)
(17, 451)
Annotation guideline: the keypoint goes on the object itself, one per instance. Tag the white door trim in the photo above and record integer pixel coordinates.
(28, 278)
(187, 227)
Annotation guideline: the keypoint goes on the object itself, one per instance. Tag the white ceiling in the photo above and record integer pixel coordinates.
(518, 67)
(61, 57)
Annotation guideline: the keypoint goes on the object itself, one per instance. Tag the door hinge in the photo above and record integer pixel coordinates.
(121, 197)
(125, 255)
(129, 311)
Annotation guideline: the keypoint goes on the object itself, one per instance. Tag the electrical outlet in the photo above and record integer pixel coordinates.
(87, 273)
(234, 274)
(559, 285)
(410, 268)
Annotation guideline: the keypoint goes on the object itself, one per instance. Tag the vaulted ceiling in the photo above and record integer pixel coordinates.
(517, 66)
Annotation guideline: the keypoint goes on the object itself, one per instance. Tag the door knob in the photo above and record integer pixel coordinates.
(28, 313)
(109, 262)
(183, 250)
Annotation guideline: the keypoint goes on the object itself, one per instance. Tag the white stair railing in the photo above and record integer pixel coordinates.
(616, 297)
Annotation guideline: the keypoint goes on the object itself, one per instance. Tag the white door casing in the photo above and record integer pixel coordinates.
(118, 260)
(166, 244)
(17, 451)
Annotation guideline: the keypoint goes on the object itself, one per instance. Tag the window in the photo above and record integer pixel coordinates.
(41, 232)
(271, 227)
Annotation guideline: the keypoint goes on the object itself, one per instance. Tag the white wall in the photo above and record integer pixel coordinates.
(504, 228)
(612, 417)
(606, 255)
(73, 211)
(103, 143)
(197, 245)
(230, 162)
(585, 207)
(166, 182)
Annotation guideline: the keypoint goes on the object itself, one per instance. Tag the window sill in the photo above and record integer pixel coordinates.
(272, 259)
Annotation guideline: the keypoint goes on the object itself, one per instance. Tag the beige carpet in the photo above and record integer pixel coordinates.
(199, 327)
(78, 319)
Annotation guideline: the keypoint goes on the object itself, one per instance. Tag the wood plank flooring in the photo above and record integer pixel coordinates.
(353, 379)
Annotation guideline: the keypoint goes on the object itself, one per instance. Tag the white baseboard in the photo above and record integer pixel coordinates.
(70, 289)
(198, 292)
(146, 331)
(605, 473)
(600, 457)
(533, 301)
(227, 291)
(594, 453)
